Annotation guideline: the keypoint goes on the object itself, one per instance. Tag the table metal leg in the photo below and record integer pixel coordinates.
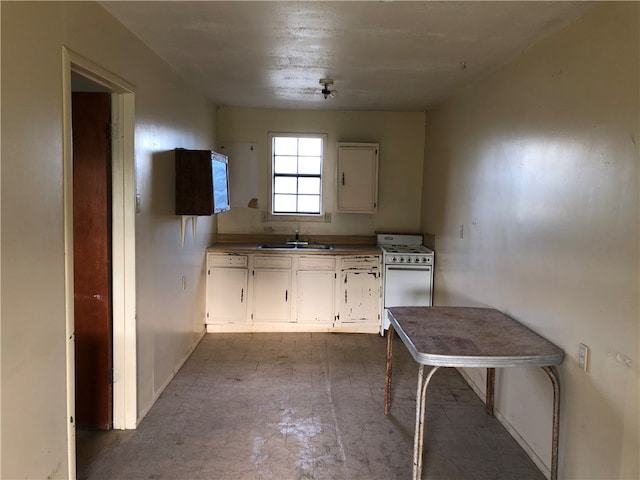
(553, 376)
(491, 384)
(387, 383)
(421, 404)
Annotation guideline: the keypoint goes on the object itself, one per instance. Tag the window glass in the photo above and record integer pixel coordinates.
(309, 185)
(285, 164)
(309, 165)
(285, 185)
(284, 203)
(311, 147)
(297, 174)
(308, 203)
(285, 146)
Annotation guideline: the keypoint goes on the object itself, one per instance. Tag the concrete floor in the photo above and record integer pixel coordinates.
(304, 406)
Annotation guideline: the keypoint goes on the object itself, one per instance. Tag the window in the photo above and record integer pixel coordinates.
(297, 174)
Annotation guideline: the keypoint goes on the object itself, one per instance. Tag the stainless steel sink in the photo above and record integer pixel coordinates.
(295, 246)
(313, 246)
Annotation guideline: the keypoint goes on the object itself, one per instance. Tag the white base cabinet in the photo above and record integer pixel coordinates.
(289, 293)
(271, 289)
(316, 286)
(360, 279)
(227, 289)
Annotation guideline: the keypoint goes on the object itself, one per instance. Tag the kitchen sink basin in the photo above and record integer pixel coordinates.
(295, 246)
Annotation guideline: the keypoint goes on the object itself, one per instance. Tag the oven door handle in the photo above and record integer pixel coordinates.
(409, 267)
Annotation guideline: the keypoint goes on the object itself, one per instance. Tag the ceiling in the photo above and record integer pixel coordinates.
(382, 55)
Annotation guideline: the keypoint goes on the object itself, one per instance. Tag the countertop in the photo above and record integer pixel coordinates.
(339, 249)
(343, 244)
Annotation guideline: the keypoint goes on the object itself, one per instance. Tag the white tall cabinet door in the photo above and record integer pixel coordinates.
(316, 286)
(272, 294)
(226, 289)
(357, 177)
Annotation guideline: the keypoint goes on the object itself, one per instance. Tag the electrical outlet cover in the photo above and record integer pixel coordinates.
(583, 357)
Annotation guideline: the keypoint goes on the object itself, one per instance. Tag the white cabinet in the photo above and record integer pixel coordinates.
(293, 292)
(315, 289)
(360, 295)
(357, 177)
(226, 286)
(271, 289)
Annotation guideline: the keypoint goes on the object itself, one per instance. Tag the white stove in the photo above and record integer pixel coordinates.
(408, 272)
(404, 249)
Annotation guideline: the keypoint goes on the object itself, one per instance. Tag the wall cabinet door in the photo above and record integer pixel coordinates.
(357, 177)
(226, 289)
(315, 290)
(202, 182)
(271, 289)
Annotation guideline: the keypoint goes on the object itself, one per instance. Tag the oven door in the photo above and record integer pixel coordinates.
(406, 286)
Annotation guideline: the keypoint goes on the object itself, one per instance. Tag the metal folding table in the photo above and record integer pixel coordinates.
(469, 337)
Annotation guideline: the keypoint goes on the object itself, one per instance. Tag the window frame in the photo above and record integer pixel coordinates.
(320, 176)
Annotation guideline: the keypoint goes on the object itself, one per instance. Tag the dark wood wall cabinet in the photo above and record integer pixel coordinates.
(202, 182)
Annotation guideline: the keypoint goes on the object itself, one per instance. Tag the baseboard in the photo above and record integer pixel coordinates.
(285, 327)
(510, 428)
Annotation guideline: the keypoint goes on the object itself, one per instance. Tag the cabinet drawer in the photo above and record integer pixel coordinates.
(214, 260)
(316, 262)
(271, 261)
(361, 263)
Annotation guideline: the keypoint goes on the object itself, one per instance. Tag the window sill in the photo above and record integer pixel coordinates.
(270, 217)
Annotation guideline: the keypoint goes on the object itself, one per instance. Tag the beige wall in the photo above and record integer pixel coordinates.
(539, 163)
(169, 320)
(401, 139)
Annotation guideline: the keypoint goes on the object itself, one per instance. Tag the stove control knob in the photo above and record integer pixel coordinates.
(424, 260)
(401, 259)
(416, 259)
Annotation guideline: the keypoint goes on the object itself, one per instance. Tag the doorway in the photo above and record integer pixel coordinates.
(121, 176)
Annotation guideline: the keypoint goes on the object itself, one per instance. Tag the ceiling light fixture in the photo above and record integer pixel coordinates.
(326, 83)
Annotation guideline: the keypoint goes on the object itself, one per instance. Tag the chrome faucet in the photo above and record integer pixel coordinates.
(297, 241)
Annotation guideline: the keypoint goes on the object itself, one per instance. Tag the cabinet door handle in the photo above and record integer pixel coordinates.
(343, 179)
(345, 296)
(242, 295)
(286, 295)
